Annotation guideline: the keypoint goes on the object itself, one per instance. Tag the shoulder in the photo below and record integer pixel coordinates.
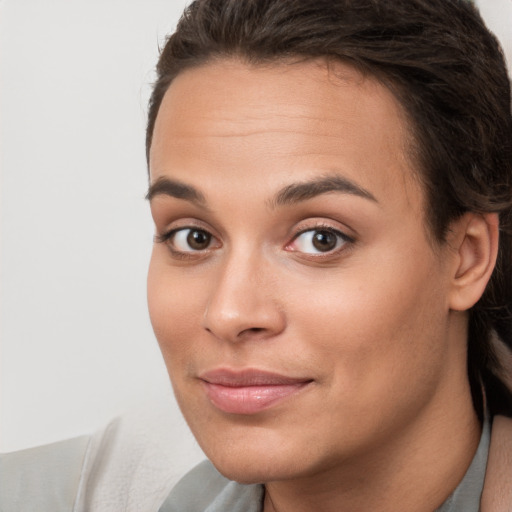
(47, 475)
(130, 465)
(204, 489)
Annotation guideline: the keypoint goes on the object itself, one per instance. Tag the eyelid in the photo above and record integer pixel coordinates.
(321, 226)
(170, 228)
(322, 223)
(324, 227)
(168, 235)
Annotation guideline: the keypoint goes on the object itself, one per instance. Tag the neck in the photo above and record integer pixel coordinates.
(417, 470)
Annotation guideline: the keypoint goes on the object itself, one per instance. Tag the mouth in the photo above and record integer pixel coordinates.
(249, 391)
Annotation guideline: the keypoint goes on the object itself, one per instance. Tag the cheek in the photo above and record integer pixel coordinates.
(174, 307)
(375, 329)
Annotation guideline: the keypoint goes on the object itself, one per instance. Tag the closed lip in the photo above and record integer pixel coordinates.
(249, 391)
(249, 377)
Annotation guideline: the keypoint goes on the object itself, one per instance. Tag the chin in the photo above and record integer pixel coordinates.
(254, 460)
(251, 470)
(256, 449)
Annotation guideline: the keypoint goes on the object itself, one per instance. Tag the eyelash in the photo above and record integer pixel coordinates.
(342, 240)
(166, 238)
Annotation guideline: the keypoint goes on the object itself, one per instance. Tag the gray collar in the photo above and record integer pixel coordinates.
(466, 497)
(204, 489)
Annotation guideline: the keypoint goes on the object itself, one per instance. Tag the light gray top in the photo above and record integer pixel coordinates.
(46, 478)
(466, 497)
(88, 474)
(204, 489)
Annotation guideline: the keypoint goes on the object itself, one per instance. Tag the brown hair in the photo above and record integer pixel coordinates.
(448, 72)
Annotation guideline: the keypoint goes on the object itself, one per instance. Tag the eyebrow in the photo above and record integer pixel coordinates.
(298, 192)
(289, 195)
(173, 188)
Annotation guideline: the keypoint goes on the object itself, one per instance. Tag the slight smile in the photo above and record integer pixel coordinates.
(249, 391)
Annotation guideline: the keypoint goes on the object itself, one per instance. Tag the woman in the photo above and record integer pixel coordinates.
(330, 283)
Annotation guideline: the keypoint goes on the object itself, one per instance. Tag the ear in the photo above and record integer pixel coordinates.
(475, 242)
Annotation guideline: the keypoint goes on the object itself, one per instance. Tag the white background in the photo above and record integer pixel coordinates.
(76, 343)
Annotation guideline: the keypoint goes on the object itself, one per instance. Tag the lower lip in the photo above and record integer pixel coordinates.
(249, 399)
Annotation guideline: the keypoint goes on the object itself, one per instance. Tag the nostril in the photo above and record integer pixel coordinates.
(252, 330)
(228, 319)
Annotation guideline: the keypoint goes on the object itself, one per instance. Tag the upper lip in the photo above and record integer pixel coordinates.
(248, 377)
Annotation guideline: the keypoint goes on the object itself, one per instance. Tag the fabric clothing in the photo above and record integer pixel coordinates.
(130, 465)
(204, 489)
(104, 473)
(47, 478)
(466, 496)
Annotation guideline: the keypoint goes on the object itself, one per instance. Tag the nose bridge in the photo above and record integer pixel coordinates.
(243, 303)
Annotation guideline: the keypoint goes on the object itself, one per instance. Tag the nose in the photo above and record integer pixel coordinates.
(243, 303)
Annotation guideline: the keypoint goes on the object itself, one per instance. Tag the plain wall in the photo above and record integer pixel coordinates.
(76, 342)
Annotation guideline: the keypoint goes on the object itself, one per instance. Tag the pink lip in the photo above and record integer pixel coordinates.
(249, 391)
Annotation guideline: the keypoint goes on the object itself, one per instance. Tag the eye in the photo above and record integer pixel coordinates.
(191, 239)
(318, 241)
(185, 240)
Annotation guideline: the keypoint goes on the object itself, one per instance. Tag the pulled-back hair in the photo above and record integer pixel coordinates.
(448, 73)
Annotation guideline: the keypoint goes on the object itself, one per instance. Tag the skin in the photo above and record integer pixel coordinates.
(386, 418)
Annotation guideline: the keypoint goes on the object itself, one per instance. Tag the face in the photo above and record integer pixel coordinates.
(299, 306)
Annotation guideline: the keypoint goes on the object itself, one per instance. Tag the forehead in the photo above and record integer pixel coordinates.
(285, 119)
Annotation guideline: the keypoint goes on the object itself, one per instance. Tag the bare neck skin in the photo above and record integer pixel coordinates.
(416, 471)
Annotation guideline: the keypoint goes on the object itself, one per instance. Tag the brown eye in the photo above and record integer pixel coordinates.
(198, 239)
(318, 241)
(324, 241)
(190, 240)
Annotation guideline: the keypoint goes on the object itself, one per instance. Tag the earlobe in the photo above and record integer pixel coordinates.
(476, 245)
